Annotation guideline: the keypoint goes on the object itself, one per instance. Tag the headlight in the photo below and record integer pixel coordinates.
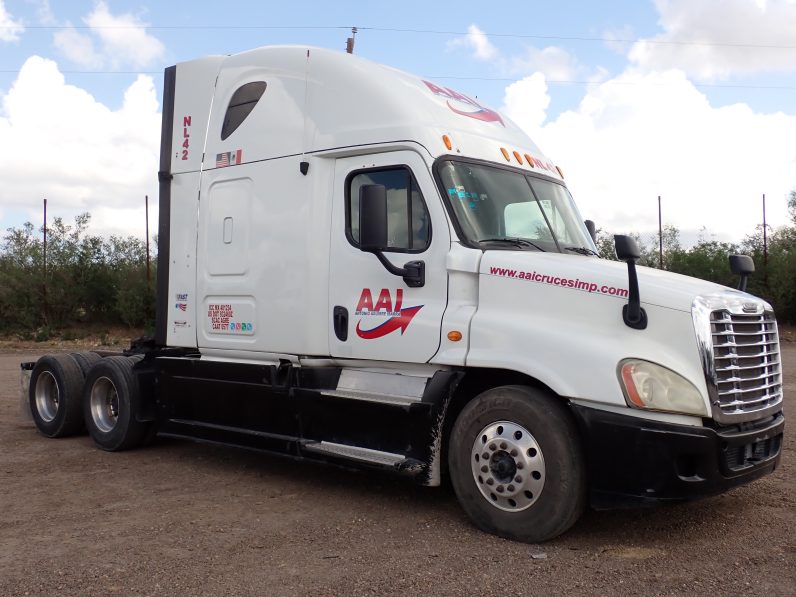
(652, 387)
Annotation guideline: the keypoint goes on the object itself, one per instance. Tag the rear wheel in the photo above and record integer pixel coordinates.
(85, 360)
(111, 403)
(56, 389)
(516, 464)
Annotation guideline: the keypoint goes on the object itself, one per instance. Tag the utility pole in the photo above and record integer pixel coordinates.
(349, 43)
(765, 244)
(660, 235)
(148, 275)
(44, 255)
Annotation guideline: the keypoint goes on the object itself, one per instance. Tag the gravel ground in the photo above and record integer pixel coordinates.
(184, 518)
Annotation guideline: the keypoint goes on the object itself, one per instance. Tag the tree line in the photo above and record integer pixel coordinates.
(87, 279)
(775, 260)
(96, 280)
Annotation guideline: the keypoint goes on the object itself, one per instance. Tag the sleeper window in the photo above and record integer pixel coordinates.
(240, 106)
(408, 222)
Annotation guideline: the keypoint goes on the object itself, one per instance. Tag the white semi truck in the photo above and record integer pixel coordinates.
(364, 267)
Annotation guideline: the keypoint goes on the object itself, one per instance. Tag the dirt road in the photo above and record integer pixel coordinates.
(183, 518)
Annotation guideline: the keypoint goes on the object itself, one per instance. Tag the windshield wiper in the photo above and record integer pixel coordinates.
(513, 240)
(582, 250)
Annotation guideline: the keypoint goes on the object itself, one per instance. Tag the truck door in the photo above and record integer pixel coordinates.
(374, 314)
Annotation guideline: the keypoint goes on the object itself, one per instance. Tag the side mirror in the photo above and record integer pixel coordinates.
(626, 248)
(592, 229)
(632, 313)
(372, 217)
(743, 265)
(373, 234)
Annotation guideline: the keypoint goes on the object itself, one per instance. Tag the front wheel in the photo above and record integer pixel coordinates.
(516, 464)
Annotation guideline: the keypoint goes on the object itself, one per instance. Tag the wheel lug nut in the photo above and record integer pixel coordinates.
(485, 469)
(485, 455)
(510, 487)
(519, 465)
(503, 445)
(499, 489)
(518, 479)
(513, 452)
(492, 447)
(490, 481)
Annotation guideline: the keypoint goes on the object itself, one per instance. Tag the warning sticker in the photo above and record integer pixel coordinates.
(222, 319)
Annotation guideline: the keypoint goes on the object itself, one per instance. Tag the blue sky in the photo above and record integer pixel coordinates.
(691, 99)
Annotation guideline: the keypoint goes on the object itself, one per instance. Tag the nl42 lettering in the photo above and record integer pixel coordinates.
(186, 136)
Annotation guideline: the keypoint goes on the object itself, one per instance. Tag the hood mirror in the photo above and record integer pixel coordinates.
(742, 265)
(592, 228)
(627, 250)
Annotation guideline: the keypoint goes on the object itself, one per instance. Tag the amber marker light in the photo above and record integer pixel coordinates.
(505, 153)
(630, 385)
(454, 336)
(560, 173)
(529, 159)
(447, 141)
(518, 157)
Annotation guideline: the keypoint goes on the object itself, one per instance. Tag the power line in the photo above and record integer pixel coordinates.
(417, 31)
(615, 82)
(457, 78)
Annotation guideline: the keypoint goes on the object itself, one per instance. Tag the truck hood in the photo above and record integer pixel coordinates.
(593, 275)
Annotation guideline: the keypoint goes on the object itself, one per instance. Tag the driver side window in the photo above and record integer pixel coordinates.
(408, 221)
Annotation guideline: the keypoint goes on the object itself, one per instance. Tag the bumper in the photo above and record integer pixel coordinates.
(633, 461)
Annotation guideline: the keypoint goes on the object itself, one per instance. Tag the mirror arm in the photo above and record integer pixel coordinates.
(634, 316)
(742, 282)
(413, 272)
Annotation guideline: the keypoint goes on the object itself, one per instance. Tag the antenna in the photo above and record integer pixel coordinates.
(349, 43)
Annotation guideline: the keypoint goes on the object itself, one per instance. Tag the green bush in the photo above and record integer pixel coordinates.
(87, 278)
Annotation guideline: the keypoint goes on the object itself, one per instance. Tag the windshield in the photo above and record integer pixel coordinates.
(497, 207)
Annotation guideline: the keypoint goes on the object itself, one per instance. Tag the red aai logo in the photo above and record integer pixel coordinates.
(480, 112)
(399, 317)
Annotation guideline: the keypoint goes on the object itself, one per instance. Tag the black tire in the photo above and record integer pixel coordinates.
(85, 360)
(55, 396)
(529, 489)
(111, 402)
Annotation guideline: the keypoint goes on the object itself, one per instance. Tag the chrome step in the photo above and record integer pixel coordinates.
(369, 397)
(355, 453)
(379, 387)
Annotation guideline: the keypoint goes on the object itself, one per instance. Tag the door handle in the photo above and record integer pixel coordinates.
(340, 321)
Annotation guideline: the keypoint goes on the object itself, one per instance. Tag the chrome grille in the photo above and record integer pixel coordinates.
(747, 366)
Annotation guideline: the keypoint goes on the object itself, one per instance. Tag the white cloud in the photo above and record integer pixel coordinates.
(58, 142)
(555, 63)
(124, 37)
(714, 40)
(77, 47)
(641, 135)
(10, 29)
(43, 12)
(120, 40)
(526, 102)
(477, 41)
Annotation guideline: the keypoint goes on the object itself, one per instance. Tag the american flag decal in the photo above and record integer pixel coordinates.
(229, 158)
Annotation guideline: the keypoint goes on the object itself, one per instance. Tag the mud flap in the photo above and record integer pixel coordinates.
(24, 415)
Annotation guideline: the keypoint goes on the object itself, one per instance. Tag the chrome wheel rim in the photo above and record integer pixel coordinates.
(48, 396)
(104, 404)
(508, 466)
